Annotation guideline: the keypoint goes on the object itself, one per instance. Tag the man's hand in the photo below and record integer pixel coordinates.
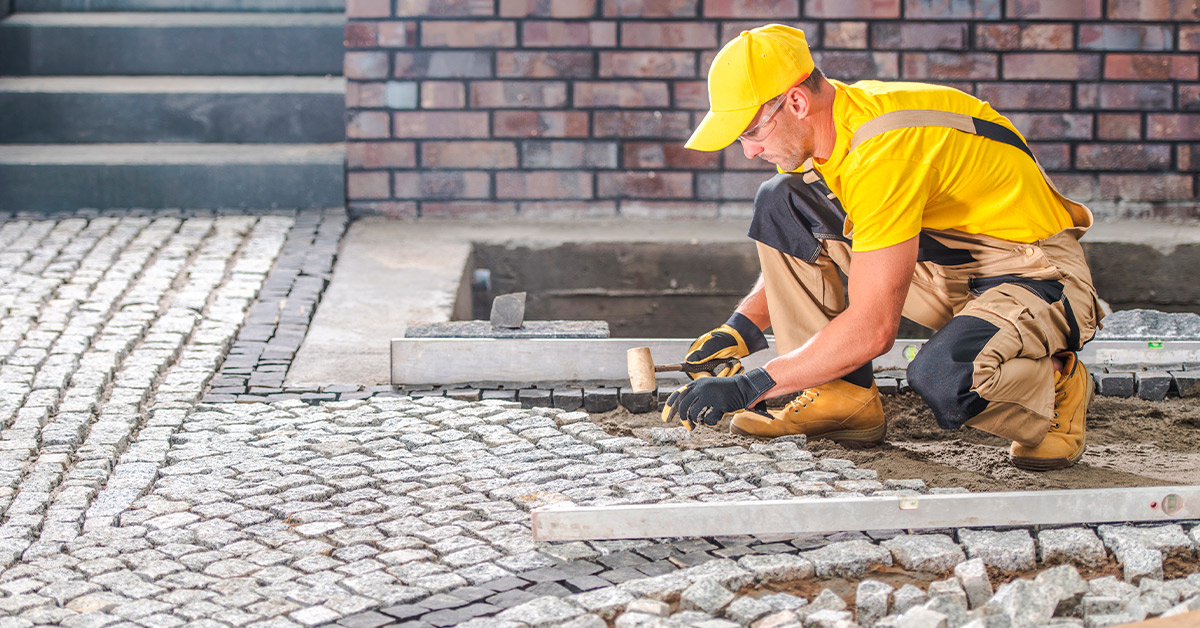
(737, 338)
(707, 399)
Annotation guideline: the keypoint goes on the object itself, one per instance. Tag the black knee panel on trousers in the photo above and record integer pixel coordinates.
(942, 371)
(793, 217)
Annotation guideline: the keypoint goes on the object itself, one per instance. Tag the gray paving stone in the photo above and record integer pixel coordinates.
(925, 552)
(1076, 545)
(976, 583)
(847, 559)
(706, 595)
(1013, 550)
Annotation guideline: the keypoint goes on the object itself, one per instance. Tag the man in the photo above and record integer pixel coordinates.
(933, 206)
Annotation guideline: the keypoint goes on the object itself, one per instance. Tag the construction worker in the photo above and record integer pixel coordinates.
(933, 206)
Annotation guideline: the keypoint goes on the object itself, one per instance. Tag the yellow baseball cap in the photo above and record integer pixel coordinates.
(753, 68)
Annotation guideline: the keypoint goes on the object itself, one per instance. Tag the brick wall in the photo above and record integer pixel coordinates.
(572, 108)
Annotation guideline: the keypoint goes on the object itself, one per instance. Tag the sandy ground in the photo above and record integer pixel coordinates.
(1129, 443)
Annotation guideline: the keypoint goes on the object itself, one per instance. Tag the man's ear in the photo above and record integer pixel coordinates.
(798, 102)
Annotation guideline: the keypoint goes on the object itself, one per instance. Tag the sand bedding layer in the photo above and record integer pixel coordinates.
(1130, 442)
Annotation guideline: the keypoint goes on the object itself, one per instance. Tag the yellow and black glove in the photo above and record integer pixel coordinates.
(707, 399)
(737, 338)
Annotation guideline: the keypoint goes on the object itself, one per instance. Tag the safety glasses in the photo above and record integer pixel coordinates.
(760, 131)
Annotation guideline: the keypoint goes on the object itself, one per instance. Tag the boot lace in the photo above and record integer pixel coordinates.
(806, 397)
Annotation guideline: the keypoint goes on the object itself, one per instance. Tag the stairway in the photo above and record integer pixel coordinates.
(171, 104)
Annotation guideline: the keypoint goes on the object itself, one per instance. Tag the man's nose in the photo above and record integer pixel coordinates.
(750, 149)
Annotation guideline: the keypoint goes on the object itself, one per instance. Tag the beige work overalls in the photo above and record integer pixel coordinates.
(1000, 308)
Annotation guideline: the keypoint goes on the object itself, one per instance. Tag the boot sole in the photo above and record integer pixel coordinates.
(850, 439)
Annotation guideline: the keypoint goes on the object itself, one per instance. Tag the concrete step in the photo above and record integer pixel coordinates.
(71, 176)
(156, 43)
(222, 109)
(268, 6)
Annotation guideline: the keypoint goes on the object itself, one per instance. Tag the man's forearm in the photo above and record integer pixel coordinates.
(754, 305)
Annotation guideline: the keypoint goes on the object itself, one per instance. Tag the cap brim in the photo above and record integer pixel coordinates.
(720, 129)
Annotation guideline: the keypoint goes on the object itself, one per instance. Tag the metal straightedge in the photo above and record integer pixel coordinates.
(567, 522)
(445, 361)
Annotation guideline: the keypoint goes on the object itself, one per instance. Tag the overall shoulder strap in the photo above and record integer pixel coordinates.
(907, 118)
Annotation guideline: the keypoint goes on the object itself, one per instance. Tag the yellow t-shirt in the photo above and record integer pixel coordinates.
(898, 182)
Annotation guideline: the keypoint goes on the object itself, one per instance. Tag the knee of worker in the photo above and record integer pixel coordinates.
(777, 190)
(943, 371)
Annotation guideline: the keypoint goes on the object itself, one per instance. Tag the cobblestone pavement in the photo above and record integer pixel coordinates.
(128, 501)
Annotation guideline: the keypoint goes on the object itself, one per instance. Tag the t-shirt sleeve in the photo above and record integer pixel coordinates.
(885, 200)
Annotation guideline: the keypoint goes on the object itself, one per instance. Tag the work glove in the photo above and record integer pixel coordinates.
(707, 399)
(737, 338)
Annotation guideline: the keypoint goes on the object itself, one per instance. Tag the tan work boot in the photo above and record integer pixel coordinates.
(1065, 442)
(851, 416)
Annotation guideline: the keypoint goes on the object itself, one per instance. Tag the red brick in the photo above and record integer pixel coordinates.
(361, 35)
(367, 185)
(569, 34)
(468, 209)
(1087, 95)
(376, 155)
(365, 65)
(1052, 155)
(448, 124)
(691, 95)
(443, 64)
(742, 9)
(651, 8)
(397, 34)
(949, 65)
(919, 36)
(853, 65)
(952, 9)
(368, 8)
(562, 210)
(544, 184)
(672, 155)
(642, 124)
(559, 154)
(1173, 126)
(1189, 37)
(702, 35)
(851, 35)
(1050, 66)
(643, 184)
(648, 64)
(739, 186)
(386, 209)
(1124, 37)
(1010, 95)
(1123, 157)
(1151, 96)
(1079, 187)
(545, 64)
(998, 36)
(445, 8)
(1119, 126)
(443, 95)
(1047, 37)
(1189, 97)
(460, 154)
(459, 34)
(1148, 67)
(732, 28)
(541, 123)
(1147, 187)
(365, 95)
(441, 184)
(1188, 157)
(841, 9)
(367, 125)
(668, 210)
(1152, 10)
(514, 94)
(1055, 9)
(1053, 126)
(625, 94)
(562, 9)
